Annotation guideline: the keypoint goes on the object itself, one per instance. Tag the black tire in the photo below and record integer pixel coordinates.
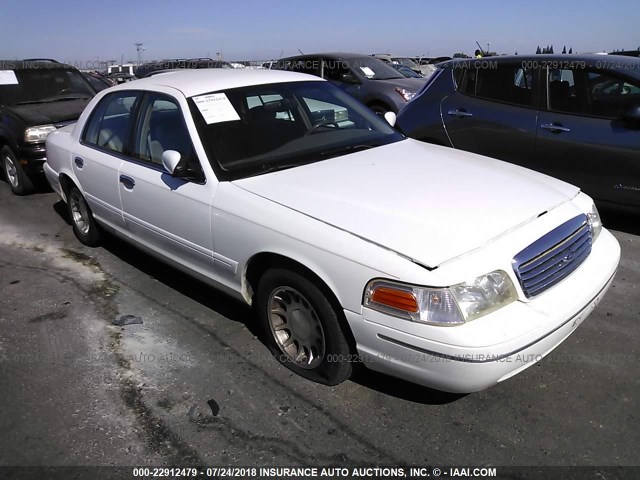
(305, 309)
(84, 225)
(15, 175)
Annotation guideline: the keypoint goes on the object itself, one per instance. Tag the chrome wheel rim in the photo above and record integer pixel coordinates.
(79, 212)
(296, 327)
(12, 171)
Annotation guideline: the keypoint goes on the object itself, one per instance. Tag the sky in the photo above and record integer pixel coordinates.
(85, 32)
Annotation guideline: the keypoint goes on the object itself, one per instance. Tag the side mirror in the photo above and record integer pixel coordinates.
(632, 114)
(349, 78)
(390, 117)
(170, 160)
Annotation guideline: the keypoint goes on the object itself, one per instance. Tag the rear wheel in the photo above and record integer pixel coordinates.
(84, 225)
(301, 327)
(17, 178)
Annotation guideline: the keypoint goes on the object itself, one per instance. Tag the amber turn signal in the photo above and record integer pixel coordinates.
(399, 299)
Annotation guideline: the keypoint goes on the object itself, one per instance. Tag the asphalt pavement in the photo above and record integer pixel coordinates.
(193, 384)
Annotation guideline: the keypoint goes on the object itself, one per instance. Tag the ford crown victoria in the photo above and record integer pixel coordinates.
(352, 242)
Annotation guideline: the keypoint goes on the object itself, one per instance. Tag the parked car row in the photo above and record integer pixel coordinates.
(423, 66)
(370, 80)
(151, 68)
(353, 243)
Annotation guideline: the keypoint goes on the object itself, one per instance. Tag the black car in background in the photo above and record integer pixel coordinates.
(370, 80)
(575, 117)
(150, 68)
(36, 97)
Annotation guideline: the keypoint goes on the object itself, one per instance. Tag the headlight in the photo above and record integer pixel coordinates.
(485, 294)
(442, 306)
(595, 224)
(38, 133)
(405, 94)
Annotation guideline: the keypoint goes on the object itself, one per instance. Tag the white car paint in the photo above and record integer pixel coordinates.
(392, 195)
(407, 211)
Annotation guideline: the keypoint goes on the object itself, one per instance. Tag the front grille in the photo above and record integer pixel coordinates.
(553, 257)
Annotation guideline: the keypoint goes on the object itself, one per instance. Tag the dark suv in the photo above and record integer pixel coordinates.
(575, 117)
(36, 97)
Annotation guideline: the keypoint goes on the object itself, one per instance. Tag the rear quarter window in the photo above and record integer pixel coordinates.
(511, 84)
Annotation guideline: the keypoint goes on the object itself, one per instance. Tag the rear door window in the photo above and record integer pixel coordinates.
(110, 123)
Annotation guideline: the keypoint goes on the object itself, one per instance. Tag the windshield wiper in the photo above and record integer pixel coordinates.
(276, 168)
(52, 100)
(347, 149)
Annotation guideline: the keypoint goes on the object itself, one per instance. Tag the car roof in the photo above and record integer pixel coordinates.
(33, 64)
(333, 55)
(196, 82)
(610, 62)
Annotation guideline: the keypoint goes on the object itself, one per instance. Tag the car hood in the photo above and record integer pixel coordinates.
(425, 202)
(46, 113)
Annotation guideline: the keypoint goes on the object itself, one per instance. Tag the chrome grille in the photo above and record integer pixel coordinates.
(553, 257)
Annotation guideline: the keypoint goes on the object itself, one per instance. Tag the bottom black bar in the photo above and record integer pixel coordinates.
(329, 473)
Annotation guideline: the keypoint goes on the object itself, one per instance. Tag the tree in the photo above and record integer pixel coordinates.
(551, 50)
(538, 51)
(564, 49)
(570, 50)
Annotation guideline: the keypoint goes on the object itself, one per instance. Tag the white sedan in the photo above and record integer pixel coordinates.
(353, 243)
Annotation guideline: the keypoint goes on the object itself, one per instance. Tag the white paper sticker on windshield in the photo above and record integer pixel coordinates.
(216, 108)
(8, 77)
(368, 72)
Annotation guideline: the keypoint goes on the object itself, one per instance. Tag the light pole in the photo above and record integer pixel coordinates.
(139, 48)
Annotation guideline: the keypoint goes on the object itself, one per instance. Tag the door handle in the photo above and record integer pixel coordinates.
(459, 113)
(128, 182)
(555, 128)
(79, 162)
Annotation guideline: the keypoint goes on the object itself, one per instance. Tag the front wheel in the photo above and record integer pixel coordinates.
(17, 178)
(301, 327)
(84, 225)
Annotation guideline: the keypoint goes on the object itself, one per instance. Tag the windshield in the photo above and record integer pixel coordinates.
(406, 71)
(43, 85)
(373, 68)
(259, 129)
(405, 61)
